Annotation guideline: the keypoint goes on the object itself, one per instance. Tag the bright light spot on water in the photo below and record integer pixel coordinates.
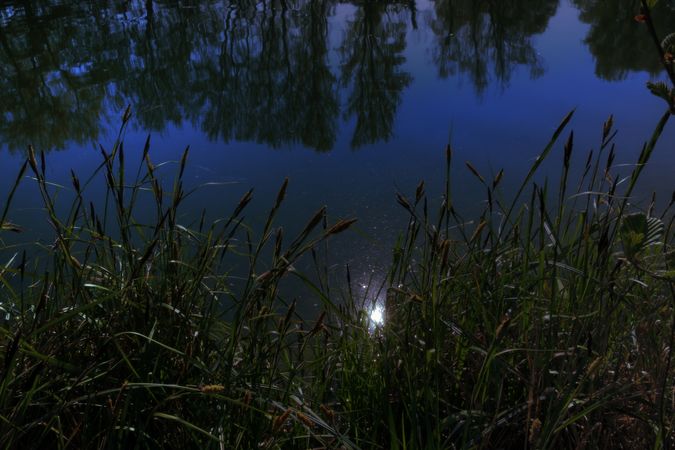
(377, 315)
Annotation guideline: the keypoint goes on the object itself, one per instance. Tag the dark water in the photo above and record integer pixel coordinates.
(350, 100)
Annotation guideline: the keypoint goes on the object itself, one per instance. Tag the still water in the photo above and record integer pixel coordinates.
(352, 101)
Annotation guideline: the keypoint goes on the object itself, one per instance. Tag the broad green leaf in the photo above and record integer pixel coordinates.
(668, 43)
(638, 232)
(660, 89)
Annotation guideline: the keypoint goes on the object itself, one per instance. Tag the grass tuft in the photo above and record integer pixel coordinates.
(547, 322)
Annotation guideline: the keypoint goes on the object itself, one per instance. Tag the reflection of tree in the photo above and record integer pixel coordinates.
(253, 70)
(50, 88)
(162, 63)
(371, 59)
(272, 83)
(476, 37)
(314, 89)
(618, 43)
(249, 70)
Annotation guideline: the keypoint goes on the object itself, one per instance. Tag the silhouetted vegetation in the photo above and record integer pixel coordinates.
(262, 71)
(617, 41)
(372, 55)
(545, 321)
(542, 324)
(484, 38)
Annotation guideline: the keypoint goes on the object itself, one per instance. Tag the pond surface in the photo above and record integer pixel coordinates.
(352, 101)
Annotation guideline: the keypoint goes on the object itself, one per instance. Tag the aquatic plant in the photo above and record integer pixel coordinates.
(545, 322)
(666, 49)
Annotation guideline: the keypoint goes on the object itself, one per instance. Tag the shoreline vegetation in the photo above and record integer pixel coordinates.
(548, 322)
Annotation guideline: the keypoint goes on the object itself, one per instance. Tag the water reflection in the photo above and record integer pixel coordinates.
(618, 43)
(479, 38)
(267, 79)
(53, 87)
(372, 56)
(271, 72)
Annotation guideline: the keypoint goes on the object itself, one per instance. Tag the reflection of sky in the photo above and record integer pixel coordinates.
(504, 127)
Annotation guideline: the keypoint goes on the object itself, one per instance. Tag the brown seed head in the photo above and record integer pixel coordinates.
(329, 413)
(340, 226)
(305, 419)
(535, 427)
(212, 388)
(279, 420)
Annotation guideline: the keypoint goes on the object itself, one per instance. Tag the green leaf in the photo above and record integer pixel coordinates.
(660, 89)
(654, 231)
(638, 232)
(668, 43)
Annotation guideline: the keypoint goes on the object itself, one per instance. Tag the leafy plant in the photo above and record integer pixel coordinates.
(638, 232)
(665, 49)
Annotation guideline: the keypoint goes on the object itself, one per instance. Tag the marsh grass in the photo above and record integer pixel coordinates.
(538, 324)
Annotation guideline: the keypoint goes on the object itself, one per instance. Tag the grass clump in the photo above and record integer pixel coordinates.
(542, 325)
(126, 334)
(548, 322)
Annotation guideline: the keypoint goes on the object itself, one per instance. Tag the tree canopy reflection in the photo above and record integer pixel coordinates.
(480, 38)
(372, 56)
(619, 44)
(53, 87)
(267, 71)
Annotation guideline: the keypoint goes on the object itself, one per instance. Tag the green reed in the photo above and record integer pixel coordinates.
(545, 322)
(538, 325)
